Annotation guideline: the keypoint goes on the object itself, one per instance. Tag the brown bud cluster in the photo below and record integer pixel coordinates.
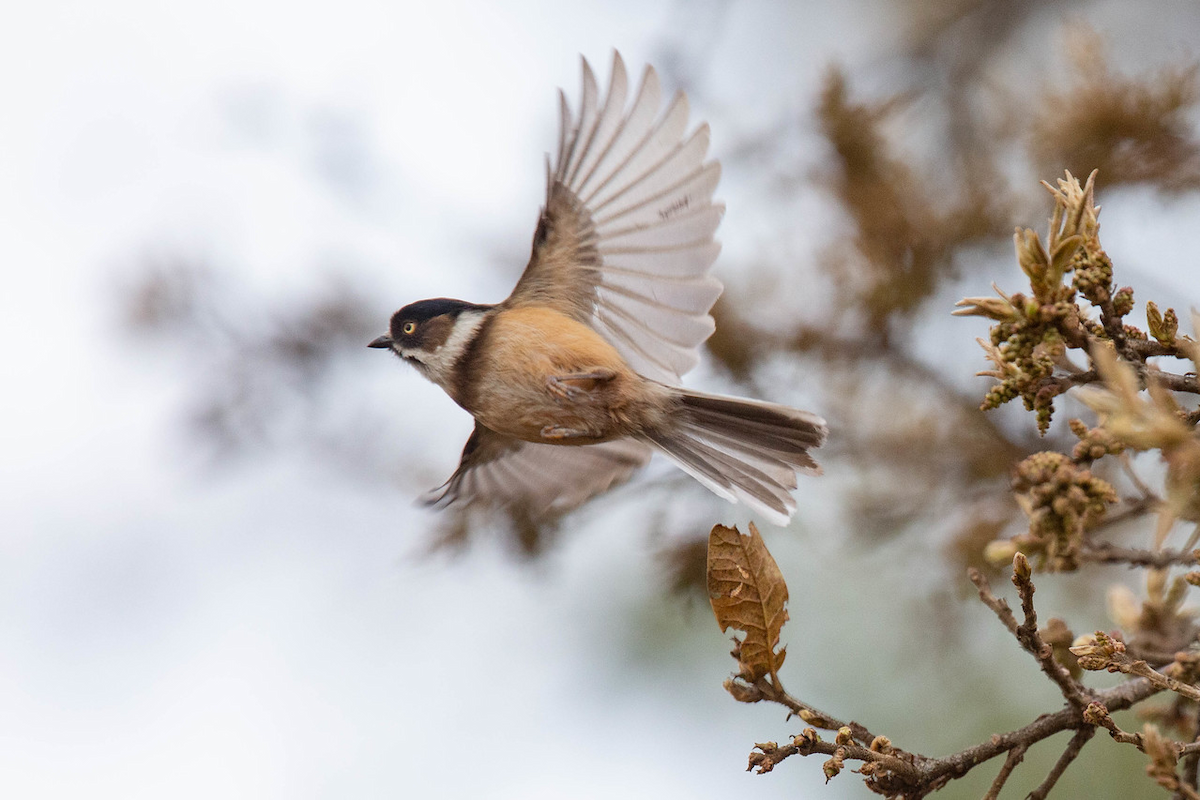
(1025, 349)
(1095, 714)
(1094, 443)
(1061, 500)
(1032, 333)
(1093, 275)
(805, 740)
(1098, 653)
(1162, 758)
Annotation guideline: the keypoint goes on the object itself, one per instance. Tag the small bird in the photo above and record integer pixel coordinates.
(574, 379)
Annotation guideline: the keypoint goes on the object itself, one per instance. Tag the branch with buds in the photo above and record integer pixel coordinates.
(1069, 500)
(894, 772)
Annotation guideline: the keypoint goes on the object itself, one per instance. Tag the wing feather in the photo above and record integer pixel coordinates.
(672, 324)
(684, 159)
(689, 228)
(541, 480)
(625, 241)
(606, 124)
(678, 295)
(633, 131)
(585, 128)
(564, 125)
(645, 350)
(692, 190)
(656, 145)
(690, 261)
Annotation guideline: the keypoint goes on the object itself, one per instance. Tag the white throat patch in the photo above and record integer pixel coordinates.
(438, 365)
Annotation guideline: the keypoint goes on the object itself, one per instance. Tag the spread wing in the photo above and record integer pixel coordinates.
(543, 480)
(625, 241)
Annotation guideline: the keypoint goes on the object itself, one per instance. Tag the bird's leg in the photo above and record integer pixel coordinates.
(575, 385)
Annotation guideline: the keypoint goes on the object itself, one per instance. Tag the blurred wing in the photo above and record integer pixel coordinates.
(542, 479)
(625, 240)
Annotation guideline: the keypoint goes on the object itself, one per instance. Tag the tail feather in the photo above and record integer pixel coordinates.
(743, 473)
(743, 450)
(687, 454)
(778, 459)
(743, 416)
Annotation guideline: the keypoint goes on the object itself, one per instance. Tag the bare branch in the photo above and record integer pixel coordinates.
(1097, 714)
(807, 743)
(1081, 737)
(810, 714)
(1123, 662)
(1027, 633)
(1015, 757)
(1190, 755)
(997, 605)
(1116, 699)
(903, 771)
(1112, 554)
(1148, 495)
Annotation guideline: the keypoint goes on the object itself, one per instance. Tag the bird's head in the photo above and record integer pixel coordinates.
(433, 334)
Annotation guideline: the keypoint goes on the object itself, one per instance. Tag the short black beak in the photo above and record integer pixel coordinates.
(382, 342)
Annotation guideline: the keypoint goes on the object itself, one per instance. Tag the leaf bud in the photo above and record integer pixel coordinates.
(1095, 714)
(833, 766)
(1021, 568)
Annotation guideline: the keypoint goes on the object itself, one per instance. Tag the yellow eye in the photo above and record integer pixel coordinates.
(409, 327)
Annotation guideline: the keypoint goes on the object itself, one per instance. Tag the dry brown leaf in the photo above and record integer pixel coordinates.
(748, 594)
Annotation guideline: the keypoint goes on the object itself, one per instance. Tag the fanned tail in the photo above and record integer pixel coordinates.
(745, 451)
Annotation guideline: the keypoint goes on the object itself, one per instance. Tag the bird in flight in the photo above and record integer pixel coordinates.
(574, 380)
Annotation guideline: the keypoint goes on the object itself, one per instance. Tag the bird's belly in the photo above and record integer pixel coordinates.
(527, 412)
(548, 378)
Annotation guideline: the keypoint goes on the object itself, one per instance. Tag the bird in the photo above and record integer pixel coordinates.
(574, 379)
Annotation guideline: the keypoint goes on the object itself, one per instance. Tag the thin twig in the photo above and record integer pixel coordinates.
(1027, 633)
(775, 692)
(1097, 714)
(1178, 383)
(770, 754)
(1015, 756)
(903, 770)
(1123, 662)
(1150, 348)
(1131, 508)
(1112, 554)
(1191, 758)
(1081, 737)
(998, 606)
(1116, 699)
(1127, 467)
(1155, 658)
